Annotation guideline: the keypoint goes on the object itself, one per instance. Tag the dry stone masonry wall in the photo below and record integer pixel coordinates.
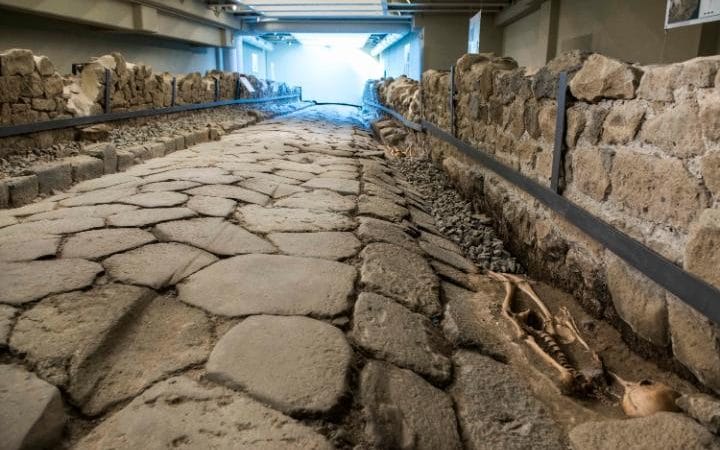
(642, 153)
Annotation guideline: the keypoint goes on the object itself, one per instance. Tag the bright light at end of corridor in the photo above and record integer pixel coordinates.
(332, 40)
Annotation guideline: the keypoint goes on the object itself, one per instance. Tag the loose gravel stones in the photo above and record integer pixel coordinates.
(405, 276)
(339, 185)
(96, 244)
(145, 217)
(157, 265)
(381, 208)
(268, 220)
(496, 409)
(402, 410)
(214, 235)
(27, 281)
(324, 244)
(271, 284)
(319, 199)
(156, 199)
(32, 414)
(211, 206)
(232, 192)
(295, 364)
(182, 412)
(390, 332)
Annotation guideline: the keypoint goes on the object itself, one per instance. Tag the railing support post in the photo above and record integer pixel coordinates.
(108, 98)
(557, 162)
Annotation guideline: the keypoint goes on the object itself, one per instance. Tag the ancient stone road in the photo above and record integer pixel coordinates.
(280, 288)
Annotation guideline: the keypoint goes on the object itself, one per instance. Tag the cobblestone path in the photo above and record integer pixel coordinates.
(280, 288)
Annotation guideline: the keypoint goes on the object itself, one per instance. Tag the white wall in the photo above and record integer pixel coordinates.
(393, 58)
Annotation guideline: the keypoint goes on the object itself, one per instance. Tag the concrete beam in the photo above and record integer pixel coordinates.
(329, 26)
(516, 11)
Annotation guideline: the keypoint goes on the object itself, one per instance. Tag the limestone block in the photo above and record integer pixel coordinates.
(4, 194)
(658, 82)
(654, 188)
(622, 123)
(125, 160)
(575, 123)
(16, 61)
(638, 300)
(44, 104)
(10, 88)
(710, 114)
(702, 253)
(43, 65)
(104, 151)
(53, 176)
(53, 85)
(86, 168)
(603, 77)
(710, 164)
(155, 150)
(544, 83)
(32, 86)
(702, 407)
(594, 120)
(677, 130)
(201, 136)
(22, 190)
(698, 72)
(591, 168)
(547, 120)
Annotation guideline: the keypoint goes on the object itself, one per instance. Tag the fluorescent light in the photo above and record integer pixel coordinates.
(334, 40)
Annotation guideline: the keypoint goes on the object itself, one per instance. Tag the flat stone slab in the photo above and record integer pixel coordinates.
(157, 265)
(295, 364)
(182, 412)
(97, 244)
(7, 314)
(211, 206)
(340, 185)
(145, 217)
(319, 199)
(295, 175)
(32, 414)
(449, 257)
(6, 221)
(233, 192)
(389, 331)
(108, 195)
(214, 235)
(404, 411)
(665, 430)
(375, 230)
(168, 186)
(496, 408)
(105, 182)
(402, 275)
(381, 208)
(57, 226)
(156, 199)
(100, 211)
(268, 220)
(324, 244)
(29, 249)
(61, 331)
(271, 284)
(27, 281)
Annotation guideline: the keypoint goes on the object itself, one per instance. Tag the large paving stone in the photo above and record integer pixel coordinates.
(324, 244)
(268, 220)
(61, 331)
(157, 265)
(164, 338)
(29, 249)
(233, 192)
(214, 235)
(389, 331)
(295, 364)
(404, 411)
(96, 244)
(271, 284)
(156, 199)
(57, 226)
(319, 199)
(211, 206)
(665, 430)
(162, 186)
(402, 275)
(496, 409)
(7, 316)
(449, 257)
(381, 208)
(339, 185)
(374, 230)
(106, 182)
(107, 195)
(182, 412)
(145, 217)
(32, 414)
(100, 211)
(27, 281)
(203, 175)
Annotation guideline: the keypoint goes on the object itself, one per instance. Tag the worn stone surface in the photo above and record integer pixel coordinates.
(676, 131)
(211, 206)
(703, 408)
(375, 230)
(295, 364)
(271, 284)
(100, 211)
(145, 217)
(157, 265)
(46, 227)
(233, 192)
(603, 77)
(324, 244)
(702, 253)
(21, 282)
(107, 195)
(622, 124)
(402, 275)
(100, 243)
(319, 199)
(402, 410)
(180, 411)
(591, 169)
(156, 199)
(268, 220)
(32, 414)
(448, 256)
(169, 186)
(213, 235)
(7, 316)
(27, 250)
(664, 430)
(339, 185)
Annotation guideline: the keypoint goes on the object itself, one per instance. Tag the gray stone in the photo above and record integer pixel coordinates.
(32, 414)
(300, 176)
(203, 175)
(61, 331)
(390, 332)
(104, 151)
(22, 190)
(233, 192)
(108, 181)
(402, 275)
(324, 244)
(381, 208)
(86, 168)
(441, 242)
(157, 265)
(32, 208)
(267, 220)
(214, 235)
(145, 217)
(169, 186)
(665, 430)
(97, 244)
(17, 61)
(53, 176)
(180, 411)
(285, 190)
(7, 315)
(295, 364)
(271, 284)
(211, 206)
(27, 250)
(339, 185)
(100, 211)
(156, 199)
(57, 226)
(298, 167)
(261, 185)
(107, 195)
(402, 410)
(374, 230)
(27, 281)
(449, 257)
(703, 408)
(125, 160)
(372, 189)
(320, 199)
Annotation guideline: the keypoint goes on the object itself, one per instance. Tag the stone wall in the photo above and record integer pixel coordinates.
(643, 154)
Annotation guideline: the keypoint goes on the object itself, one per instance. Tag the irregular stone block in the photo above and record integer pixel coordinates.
(125, 160)
(676, 131)
(702, 252)
(319, 199)
(53, 176)
(145, 217)
(104, 151)
(211, 206)
(96, 244)
(20, 282)
(96, 133)
(323, 244)
(703, 408)
(10, 89)
(4, 194)
(156, 199)
(266, 220)
(16, 61)
(374, 230)
(603, 77)
(710, 164)
(214, 235)
(451, 257)
(233, 192)
(710, 114)
(339, 185)
(22, 190)
(658, 82)
(86, 168)
(29, 249)
(622, 123)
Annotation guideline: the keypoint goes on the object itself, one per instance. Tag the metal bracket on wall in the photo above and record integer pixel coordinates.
(451, 100)
(217, 89)
(108, 86)
(557, 162)
(173, 98)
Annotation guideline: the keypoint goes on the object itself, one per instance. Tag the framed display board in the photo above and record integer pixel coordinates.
(682, 13)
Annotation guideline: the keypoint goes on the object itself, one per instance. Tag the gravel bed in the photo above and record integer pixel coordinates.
(455, 217)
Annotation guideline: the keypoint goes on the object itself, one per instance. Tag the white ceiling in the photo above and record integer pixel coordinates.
(317, 8)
